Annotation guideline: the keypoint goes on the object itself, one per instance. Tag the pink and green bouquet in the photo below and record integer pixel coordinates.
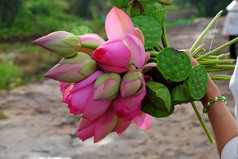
(135, 74)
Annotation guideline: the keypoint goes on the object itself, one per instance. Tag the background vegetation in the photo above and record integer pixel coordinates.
(22, 21)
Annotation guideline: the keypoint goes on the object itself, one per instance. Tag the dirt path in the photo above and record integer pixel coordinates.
(39, 126)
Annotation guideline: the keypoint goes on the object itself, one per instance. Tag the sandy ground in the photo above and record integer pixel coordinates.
(39, 125)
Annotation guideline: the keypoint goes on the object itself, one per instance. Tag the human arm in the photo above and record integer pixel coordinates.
(223, 123)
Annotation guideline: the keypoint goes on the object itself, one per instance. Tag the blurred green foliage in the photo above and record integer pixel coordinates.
(8, 11)
(37, 18)
(204, 8)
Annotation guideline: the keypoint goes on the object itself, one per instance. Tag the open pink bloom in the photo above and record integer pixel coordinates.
(143, 120)
(64, 86)
(124, 41)
(92, 39)
(129, 107)
(102, 126)
(79, 97)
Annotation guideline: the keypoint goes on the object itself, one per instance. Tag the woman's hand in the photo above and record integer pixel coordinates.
(212, 89)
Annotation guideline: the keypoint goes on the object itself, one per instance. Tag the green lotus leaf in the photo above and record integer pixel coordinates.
(152, 109)
(179, 95)
(159, 95)
(81, 30)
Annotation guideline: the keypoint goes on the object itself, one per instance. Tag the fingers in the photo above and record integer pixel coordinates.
(193, 60)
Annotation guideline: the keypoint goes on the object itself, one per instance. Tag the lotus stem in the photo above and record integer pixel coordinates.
(218, 49)
(161, 47)
(89, 46)
(208, 58)
(205, 31)
(220, 77)
(164, 38)
(198, 49)
(218, 70)
(222, 66)
(208, 62)
(157, 48)
(153, 53)
(223, 55)
(202, 123)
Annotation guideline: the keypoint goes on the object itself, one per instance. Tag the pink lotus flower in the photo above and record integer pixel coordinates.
(63, 86)
(79, 97)
(107, 123)
(129, 107)
(143, 120)
(113, 56)
(124, 44)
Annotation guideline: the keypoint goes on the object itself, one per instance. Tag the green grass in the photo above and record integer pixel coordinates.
(21, 63)
(2, 115)
(10, 76)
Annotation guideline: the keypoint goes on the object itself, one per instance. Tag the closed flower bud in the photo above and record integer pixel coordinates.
(62, 43)
(107, 86)
(73, 69)
(131, 84)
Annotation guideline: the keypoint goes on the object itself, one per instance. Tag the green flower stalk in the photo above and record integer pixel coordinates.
(205, 31)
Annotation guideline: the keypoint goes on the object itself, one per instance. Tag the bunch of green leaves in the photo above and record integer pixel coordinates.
(175, 82)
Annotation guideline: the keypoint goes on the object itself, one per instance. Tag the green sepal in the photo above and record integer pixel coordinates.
(152, 109)
(159, 95)
(179, 95)
(196, 84)
(81, 30)
(150, 28)
(174, 65)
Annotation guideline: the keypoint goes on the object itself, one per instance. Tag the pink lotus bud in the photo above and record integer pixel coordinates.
(113, 56)
(73, 69)
(107, 86)
(131, 84)
(60, 42)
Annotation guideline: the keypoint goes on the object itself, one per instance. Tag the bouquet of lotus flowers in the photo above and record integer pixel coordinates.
(132, 76)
